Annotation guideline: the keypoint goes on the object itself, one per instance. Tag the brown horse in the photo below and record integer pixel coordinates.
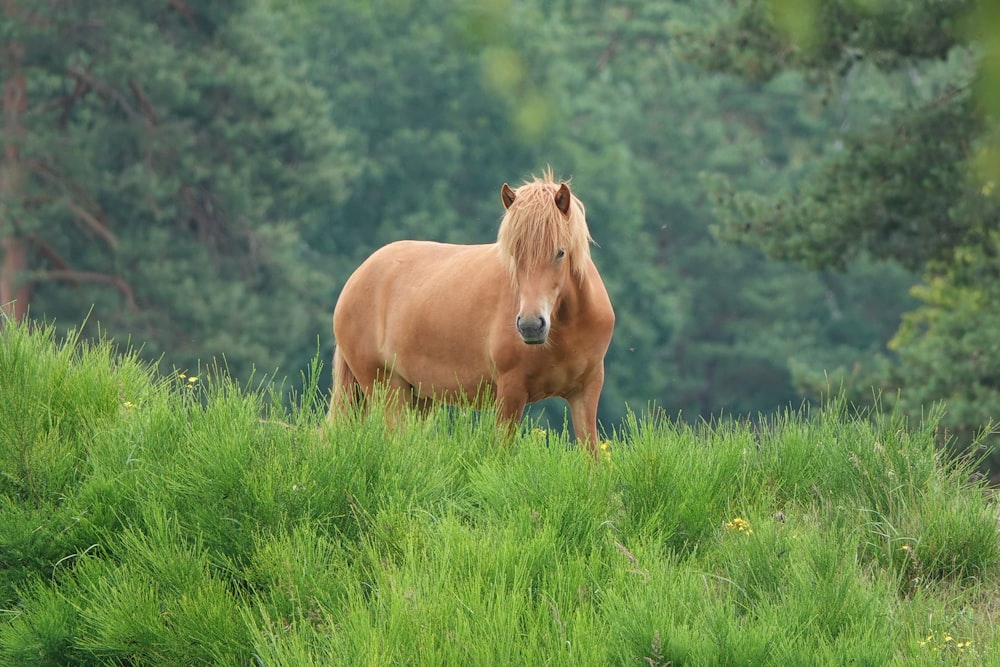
(515, 321)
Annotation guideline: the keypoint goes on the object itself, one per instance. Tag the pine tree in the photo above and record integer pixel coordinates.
(915, 184)
(159, 169)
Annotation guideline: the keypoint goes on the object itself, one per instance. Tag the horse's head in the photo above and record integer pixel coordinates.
(544, 239)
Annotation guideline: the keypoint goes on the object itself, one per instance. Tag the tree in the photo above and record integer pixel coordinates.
(916, 184)
(159, 169)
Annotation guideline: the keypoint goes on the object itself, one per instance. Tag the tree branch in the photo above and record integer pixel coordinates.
(48, 252)
(611, 49)
(144, 103)
(94, 224)
(80, 90)
(182, 8)
(106, 91)
(72, 276)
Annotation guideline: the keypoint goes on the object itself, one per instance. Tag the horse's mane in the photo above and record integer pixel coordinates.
(533, 229)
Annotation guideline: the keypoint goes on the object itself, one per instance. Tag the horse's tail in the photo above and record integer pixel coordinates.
(344, 395)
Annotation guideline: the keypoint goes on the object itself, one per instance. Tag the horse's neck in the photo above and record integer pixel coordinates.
(573, 301)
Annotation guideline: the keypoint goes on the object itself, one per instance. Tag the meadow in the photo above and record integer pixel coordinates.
(152, 518)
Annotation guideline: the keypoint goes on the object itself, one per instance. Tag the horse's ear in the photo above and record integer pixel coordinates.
(563, 198)
(507, 195)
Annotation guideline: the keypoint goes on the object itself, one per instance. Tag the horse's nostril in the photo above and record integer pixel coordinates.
(541, 322)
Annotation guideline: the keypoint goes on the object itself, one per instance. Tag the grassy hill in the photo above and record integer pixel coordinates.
(181, 520)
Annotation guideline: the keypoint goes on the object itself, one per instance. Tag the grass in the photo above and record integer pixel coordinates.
(159, 520)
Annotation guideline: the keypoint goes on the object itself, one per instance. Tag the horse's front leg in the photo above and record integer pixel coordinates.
(510, 403)
(583, 407)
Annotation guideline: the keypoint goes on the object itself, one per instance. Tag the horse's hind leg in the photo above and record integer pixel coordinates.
(422, 405)
(400, 396)
(346, 392)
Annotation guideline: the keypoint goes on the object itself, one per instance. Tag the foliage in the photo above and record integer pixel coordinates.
(153, 519)
(914, 184)
(766, 36)
(165, 155)
(946, 346)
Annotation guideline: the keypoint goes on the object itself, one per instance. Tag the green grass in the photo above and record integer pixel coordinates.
(150, 520)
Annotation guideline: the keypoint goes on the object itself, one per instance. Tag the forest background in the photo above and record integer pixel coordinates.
(788, 197)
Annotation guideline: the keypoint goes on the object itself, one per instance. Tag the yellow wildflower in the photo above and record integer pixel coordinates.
(945, 642)
(740, 526)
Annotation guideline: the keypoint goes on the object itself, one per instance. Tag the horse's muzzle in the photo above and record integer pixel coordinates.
(533, 330)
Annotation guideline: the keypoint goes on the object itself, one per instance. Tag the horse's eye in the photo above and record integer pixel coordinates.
(560, 254)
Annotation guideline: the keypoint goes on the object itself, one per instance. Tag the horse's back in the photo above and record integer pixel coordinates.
(425, 271)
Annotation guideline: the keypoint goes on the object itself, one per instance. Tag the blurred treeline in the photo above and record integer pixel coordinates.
(199, 179)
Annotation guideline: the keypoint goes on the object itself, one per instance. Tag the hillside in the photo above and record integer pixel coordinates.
(180, 520)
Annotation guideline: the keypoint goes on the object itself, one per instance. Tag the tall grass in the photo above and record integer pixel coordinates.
(159, 520)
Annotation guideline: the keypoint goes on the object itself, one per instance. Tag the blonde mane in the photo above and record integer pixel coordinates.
(533, 229)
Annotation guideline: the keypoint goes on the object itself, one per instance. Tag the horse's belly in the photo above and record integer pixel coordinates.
(450, 378)
(474, 395)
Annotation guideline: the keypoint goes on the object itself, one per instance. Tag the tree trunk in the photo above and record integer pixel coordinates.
(15, 294)
(15, 291)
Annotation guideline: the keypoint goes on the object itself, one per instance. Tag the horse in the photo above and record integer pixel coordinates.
(505, 324)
